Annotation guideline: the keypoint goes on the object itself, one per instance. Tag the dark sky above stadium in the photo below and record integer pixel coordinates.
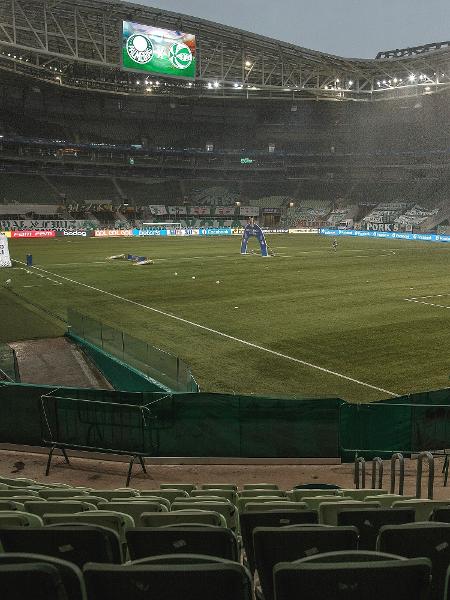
(350, 28)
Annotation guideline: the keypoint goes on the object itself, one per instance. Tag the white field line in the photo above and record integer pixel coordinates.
(37, 274)
(221, 334)
(423, 300)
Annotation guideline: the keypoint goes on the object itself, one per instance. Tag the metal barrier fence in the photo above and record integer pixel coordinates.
(161, 366)
(9, 369)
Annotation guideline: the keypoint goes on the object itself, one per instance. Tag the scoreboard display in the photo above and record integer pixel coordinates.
(158, 51)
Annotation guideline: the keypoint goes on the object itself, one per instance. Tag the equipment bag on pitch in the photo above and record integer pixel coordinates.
(5, 260)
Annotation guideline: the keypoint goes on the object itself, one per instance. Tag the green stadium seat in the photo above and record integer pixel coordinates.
(363, 493)
(261, 493)
(17, 481)
(118, 522)
(186, 487)
(70, 574)
(17, 492)
(210, 541)
(260, 486)
(96, 500)
(183, 517)
(422, 508)
(314, 503)
(442, 515)
(328, 511)
(415, 540)
(109, 494)
(10, 505)
(78, 544)
(136, 499)
(286, 544)
(64, 506)
(242, 502)
(275, 505)
(55, 493)
(387, 500)
(211, 579)
(368, 521)
(169, 494)
(219, 486)
(133, 509)
(354, 576)
(39, 581)
(17, 518)
(230, 495)
(282, 518)
(302, 494)
(225, 508)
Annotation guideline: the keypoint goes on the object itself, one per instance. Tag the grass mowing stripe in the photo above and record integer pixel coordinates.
(222, 334)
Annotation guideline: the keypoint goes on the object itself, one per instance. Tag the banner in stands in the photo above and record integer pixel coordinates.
(32, 234)
(303, 230)
(224, 211)
(385, 227)
(177, 210)
(47, 224)
(158, 209)
(418, 237)
(271, 211)
(249, 211)
(199, 210)
(5, 260)
(113, 232)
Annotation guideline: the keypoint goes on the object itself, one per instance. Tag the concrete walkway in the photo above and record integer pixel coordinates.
(56, 361)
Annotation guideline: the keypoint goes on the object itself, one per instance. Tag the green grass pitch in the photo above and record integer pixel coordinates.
(325, 322)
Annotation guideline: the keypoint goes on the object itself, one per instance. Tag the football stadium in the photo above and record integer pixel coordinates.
(223, 258)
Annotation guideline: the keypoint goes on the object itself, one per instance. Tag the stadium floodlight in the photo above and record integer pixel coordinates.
(427, 89)
(216, 84)
(350, 83)
(248, 63)
(209, 85)
(236, 85)
(384, 82)
(412, 77)
(395, 80)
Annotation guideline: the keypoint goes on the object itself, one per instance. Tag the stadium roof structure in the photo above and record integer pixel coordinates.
(77, 44)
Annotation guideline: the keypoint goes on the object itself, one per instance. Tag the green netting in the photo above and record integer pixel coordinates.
(396, 426)
(156, 364)
(9, 370)
(212, 425)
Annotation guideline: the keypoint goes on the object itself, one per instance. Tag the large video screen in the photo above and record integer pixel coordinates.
(158, 51)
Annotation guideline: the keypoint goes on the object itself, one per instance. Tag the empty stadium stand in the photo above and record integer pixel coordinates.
(180, 535)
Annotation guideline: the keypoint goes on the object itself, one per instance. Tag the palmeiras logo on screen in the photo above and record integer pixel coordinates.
(180, 56)
(140, 48)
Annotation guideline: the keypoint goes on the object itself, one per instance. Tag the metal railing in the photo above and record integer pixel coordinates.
(9, 368)
(157, 364)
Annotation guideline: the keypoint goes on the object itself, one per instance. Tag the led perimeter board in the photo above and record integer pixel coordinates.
(158, 51)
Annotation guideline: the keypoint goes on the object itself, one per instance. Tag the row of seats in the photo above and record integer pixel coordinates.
(111, 527)
(331, 576)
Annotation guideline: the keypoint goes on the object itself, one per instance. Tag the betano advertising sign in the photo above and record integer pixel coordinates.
(158, 51)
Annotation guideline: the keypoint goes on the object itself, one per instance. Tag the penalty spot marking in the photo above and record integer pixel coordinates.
(222, 334)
